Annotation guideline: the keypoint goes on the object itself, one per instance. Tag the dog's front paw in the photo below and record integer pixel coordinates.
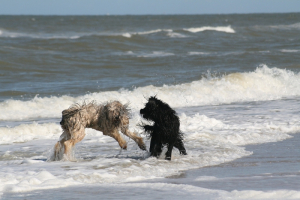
(143, 147)
(141, 144)
(183, 153)
(124, 147)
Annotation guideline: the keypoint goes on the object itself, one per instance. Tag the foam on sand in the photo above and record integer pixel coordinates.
(165, 191)
(209, 141)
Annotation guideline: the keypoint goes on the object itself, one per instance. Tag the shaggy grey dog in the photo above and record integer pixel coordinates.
(108, 118)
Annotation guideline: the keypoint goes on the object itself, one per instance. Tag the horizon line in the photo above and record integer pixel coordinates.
(148, 14)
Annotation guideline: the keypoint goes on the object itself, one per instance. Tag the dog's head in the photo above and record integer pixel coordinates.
(152, 109)
(115, 112)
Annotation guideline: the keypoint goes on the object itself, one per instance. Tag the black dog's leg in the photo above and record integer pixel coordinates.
(179, 145)
(155, 146)
(169, 152)
(157, 150)
(152, 143)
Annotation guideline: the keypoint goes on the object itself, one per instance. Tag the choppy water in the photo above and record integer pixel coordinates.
(233, 79)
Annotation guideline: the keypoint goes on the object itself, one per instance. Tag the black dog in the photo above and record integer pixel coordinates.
(165, 130)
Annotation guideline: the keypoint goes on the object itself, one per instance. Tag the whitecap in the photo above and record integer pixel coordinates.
(194, 53)
(289, 50)
(156, 54)
(127, 35)
(226, 29)
(260, 85)
(287, 27)
(148, 32)
(176, 35)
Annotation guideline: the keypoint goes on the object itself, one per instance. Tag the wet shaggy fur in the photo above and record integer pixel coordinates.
(108, 118)
(165, 130)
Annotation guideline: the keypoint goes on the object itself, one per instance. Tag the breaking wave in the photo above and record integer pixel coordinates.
(263, 84)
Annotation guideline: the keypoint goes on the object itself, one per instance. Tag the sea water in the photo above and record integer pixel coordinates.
(234, 81)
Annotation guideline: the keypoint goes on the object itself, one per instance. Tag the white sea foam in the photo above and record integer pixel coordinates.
(128, 35)
(237, 132)
(204, 148)
(151, 31)
(252, 194)
(208, 140)
(36, 108)
(226, 29)
(128, 167)
(27, 132)
(77, 35)
(153, 54)
(193, 53)
(153, 190)
(6, 33)
(289, 50)
(33, 181)
(197, 127)
(156, 54)
(176, 35)
(287, 27)
(260, 85)
(14, 34)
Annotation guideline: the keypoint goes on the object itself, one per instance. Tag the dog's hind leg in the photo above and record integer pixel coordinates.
(179, 145)
(135, 138)
(169, 152)
(157, 149)
(116, 135)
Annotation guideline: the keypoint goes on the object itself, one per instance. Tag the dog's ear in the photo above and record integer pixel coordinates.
(106, 112)
(152, 98)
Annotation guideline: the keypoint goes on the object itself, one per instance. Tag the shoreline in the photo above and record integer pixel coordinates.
(272, 166)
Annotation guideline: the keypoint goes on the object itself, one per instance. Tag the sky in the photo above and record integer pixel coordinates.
(144, 7)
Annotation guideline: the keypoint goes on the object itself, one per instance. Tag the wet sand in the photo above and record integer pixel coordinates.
(272, 166)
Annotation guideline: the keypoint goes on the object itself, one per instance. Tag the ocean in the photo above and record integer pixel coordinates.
(234, 81)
